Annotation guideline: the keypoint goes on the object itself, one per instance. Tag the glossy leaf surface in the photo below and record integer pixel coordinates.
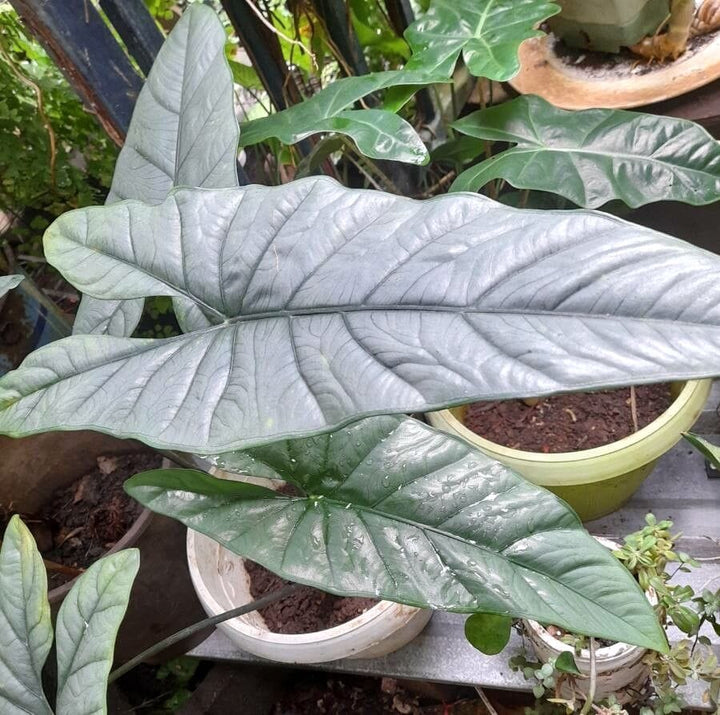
(183, 132)
(7, 283)
(377, 133)
(488, 33)
(710, 451)
(87, 625)
(329, 304)
(25, 629)
(395, 509)
(594, 156)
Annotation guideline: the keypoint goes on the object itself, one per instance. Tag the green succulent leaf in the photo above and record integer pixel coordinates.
(488, 632)
(488, 33)
(183, 132)
(87, 625)
(328, 304)
(594, 156)
(25, 629)
(565, 663)
(394, 509)
(7, 283)
(377, 133)
(710, 451)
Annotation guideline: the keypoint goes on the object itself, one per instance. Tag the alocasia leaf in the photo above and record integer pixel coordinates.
(7, 283)
(329, 304)
(708, 450)
(392, 508)
(183, 132)
(378, 133)
(594, 156)
(488, 33)
(87, 625)
(25, 629)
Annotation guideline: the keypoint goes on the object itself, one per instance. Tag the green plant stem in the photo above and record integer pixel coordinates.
(593, 681)
(201, 625)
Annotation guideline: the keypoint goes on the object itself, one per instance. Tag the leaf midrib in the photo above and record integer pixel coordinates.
(389, 516)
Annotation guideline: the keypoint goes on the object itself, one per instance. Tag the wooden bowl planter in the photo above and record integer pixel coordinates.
(595, 482)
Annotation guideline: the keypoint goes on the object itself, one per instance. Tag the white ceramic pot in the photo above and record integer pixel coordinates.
(222, 583)
(619, 667)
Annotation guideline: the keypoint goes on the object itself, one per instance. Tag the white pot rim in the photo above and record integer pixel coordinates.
(604, 655)
(241, 624)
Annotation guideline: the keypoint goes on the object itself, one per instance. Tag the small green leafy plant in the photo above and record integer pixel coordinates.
(647, 554)
(67, 160)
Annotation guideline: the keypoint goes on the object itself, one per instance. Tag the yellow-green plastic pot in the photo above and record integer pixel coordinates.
(595, 482)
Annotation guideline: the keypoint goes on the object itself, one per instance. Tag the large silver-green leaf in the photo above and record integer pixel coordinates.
(395, 509)
(7, 283)
(25, 628)
(331, 304)
(594, 156)
(87, 624)
(377, 133)
(183, 133)
(487, 32)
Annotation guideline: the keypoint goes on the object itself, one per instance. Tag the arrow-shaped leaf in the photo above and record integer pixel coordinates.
(87, 625)
(378, 133)
(394, 509)
(331, 304)
(594, 156)
(183, 132)
(7, 283)
(487, 32)
(25, 629)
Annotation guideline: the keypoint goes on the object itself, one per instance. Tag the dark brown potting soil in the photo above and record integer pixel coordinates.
(608, 65)
(82, 521)
(307, 609)
(567, 423)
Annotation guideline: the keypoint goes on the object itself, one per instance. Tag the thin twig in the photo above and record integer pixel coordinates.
(633, 409)
(277, 32)
(202, 625)
(485, 700)
(5, 54)
(444, 181)
(62, 568)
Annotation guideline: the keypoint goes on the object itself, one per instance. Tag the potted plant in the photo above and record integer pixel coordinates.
(310, 306)
(599, 480)
(618, 674)
(608, 25)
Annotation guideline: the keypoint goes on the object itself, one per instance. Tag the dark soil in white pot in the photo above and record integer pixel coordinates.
(307, 610)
